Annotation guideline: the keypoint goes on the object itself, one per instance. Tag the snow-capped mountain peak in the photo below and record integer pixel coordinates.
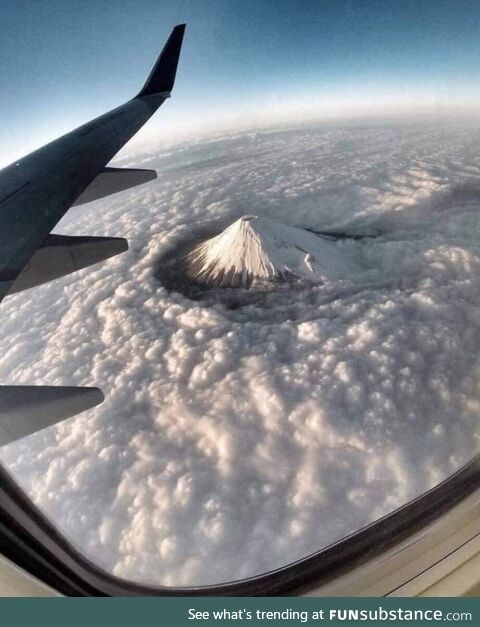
(256, 250)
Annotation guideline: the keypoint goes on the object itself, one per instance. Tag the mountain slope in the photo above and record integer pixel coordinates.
(255, 250)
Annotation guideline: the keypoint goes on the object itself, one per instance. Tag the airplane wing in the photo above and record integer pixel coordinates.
(37, 191)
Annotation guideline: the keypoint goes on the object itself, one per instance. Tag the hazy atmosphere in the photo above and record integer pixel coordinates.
(240, 434)
(244, 64)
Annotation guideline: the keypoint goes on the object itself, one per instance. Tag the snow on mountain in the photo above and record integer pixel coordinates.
(254, 250)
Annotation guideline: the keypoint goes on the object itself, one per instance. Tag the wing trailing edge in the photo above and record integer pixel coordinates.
(63, 254)
(112, 180)
(26, 409)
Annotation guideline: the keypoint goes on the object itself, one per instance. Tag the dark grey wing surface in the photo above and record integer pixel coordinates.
(35, 193)
(27, 409)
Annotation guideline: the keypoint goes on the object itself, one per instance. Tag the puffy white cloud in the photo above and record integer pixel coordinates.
(233, 441)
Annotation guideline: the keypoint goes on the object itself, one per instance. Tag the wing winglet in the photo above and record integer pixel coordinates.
(162, 76)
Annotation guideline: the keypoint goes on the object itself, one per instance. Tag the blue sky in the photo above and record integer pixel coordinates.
(244, 61)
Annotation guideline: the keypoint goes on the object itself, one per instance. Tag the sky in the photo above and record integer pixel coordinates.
(244, 63)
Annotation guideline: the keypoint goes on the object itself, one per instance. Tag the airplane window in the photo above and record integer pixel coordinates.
(288, 351)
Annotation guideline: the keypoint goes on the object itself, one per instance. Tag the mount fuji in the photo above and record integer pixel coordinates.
(254, 250)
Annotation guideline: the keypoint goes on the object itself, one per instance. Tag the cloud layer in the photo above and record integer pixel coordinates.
(232, 442)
